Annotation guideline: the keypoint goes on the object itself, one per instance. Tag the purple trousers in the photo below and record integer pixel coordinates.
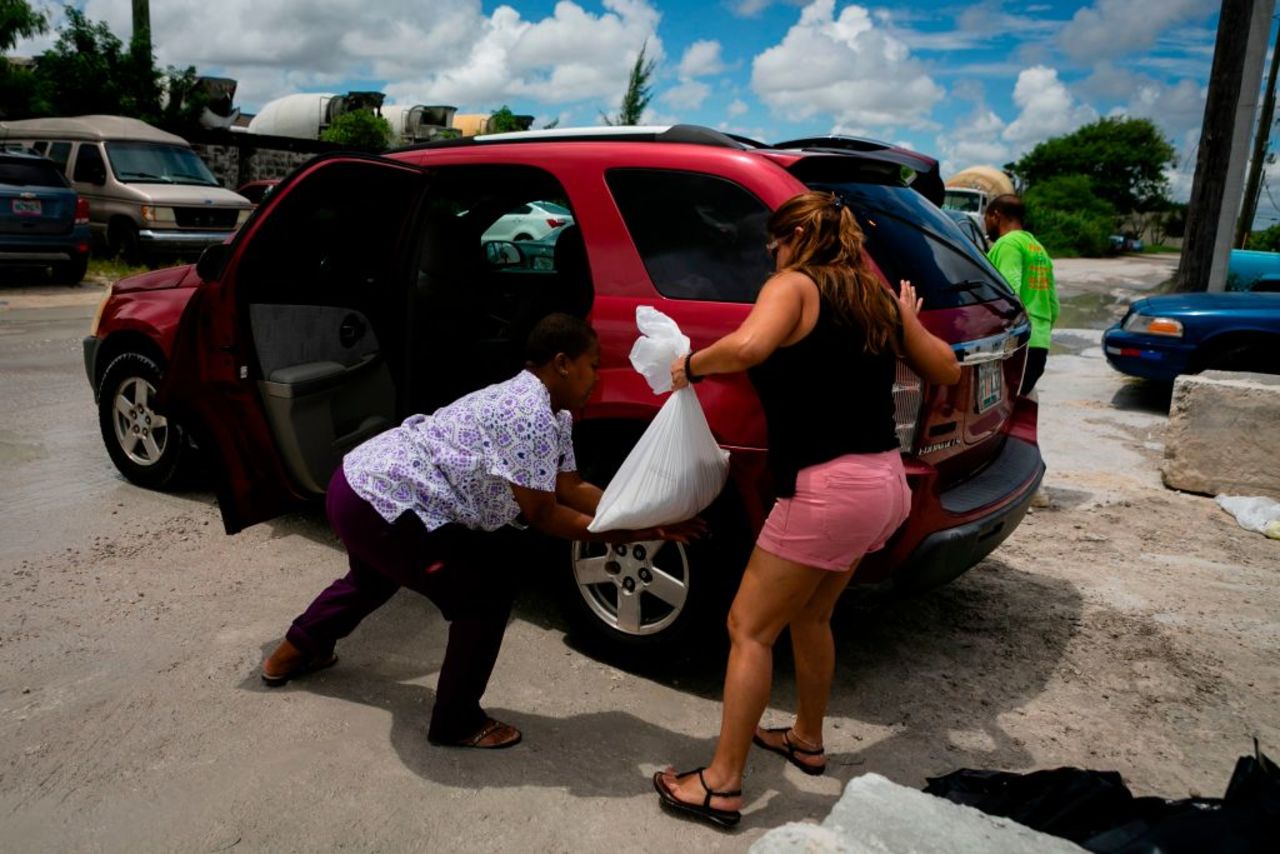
(464, 572)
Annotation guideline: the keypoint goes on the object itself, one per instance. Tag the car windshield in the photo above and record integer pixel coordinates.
(911, 239)
(30, 173)
(959, 200)
(149, 163)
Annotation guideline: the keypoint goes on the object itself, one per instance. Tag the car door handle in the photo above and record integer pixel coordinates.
(351, 330)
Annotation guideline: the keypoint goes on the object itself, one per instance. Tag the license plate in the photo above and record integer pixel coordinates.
(28, 207)
(990, 385)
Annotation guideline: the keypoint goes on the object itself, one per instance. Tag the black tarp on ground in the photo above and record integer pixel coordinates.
(1096, 810)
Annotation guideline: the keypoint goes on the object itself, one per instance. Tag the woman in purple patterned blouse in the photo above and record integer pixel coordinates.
(420, 506)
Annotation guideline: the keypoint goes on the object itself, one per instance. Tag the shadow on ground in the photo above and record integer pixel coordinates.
(1137, 395)
(929, 676)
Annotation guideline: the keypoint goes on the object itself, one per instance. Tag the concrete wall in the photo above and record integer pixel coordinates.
(1224, 434)
(235, 165)
(237, 158)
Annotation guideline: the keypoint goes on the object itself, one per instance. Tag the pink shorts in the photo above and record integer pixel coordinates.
(841, 510)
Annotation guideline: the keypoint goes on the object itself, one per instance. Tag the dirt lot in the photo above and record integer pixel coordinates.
(1123, 626)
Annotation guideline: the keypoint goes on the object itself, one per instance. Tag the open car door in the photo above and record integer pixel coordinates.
(287, 355)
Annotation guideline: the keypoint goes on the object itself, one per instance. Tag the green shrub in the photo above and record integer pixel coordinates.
(359, 129)
(1067, 233)
(1267, 240)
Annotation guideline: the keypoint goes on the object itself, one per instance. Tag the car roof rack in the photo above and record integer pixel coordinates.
(689, 134)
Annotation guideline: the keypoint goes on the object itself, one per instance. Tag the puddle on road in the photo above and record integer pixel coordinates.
(1081, 317)
(15, 449)
(1090, 311)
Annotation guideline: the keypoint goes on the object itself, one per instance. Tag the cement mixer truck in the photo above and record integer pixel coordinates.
(970, 189)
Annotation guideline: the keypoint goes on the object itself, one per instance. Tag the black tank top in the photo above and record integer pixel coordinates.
(825, 396)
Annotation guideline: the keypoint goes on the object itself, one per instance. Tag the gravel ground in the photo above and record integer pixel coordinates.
(1123, 626)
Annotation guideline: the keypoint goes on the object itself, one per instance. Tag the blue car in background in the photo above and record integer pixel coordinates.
(1254, 271)
(43, 222)
(1164, 336)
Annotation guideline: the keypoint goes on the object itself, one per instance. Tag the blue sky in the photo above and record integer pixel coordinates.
(966, 82)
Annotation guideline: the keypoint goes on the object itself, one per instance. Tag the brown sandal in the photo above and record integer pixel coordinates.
(301, 670)
(792, 751)
(490, 727)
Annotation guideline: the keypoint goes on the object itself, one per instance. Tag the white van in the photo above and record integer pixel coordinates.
(149, 193)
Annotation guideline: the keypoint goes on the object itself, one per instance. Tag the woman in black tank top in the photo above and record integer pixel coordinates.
(821, 346)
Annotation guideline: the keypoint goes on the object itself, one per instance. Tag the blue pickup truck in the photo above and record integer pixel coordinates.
(1164, 336)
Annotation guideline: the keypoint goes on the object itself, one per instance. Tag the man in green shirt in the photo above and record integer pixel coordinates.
(1026, 266)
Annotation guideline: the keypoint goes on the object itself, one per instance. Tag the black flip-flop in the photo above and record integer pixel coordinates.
(790, 750)
(310, 667)
(704, 811)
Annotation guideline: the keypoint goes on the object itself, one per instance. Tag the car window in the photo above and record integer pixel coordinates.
(89, 165)
(553, 208)
(60, 153)
(700, 236)
(149, 163)
(911, 239)
(30, 173)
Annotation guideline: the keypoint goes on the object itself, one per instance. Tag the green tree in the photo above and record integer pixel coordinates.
(89, 70)
(1267, 240)
(639, 91)
(18, 21)
(362, 129)
(504, 121)
(17, 85)
(1125, 158)
(1068, 193)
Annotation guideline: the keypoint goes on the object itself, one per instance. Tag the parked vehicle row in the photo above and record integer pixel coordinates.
(365, 289)
(149, 194)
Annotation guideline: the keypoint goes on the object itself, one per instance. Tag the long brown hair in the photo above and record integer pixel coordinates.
(829, 251)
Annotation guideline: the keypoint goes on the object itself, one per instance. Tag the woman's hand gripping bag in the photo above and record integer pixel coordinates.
(676, 469)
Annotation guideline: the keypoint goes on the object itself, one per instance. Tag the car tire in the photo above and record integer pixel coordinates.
(148, 449)
(70, 272)
(122, 241)
(655, 596)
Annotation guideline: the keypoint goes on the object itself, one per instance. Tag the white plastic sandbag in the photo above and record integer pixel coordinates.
(676, 469)
(1254, 513)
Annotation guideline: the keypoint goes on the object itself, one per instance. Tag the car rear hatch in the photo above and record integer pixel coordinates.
(957, 429)
(34, 198)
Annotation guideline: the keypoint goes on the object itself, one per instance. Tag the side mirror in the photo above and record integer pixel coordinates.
(502, 253)
(211, 262)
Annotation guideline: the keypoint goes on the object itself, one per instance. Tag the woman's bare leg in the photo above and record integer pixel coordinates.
(772, 593)
(815, 660)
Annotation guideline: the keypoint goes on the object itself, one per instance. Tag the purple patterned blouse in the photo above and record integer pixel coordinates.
(455, 465)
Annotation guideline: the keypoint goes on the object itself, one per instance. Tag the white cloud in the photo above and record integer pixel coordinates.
(1112, 28)
(846, 67)
(688, 95)
(752, 8)
(434, 51)
(737, 107)
(1047, 109)
(974, 141)
(701, 59)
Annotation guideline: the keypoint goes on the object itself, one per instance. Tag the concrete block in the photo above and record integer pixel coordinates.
(877, 816)
(1224, 434)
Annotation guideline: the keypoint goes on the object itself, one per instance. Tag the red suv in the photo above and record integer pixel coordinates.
(361, 292)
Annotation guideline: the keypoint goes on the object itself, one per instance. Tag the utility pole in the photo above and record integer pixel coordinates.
(142, 22)
(1261, 139)
(1224, 142)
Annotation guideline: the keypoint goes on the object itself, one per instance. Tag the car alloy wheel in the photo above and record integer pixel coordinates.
(636, 589)
(143, 443)
(142, 432)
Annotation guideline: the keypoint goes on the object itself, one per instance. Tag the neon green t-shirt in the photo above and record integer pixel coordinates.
(1026, 266)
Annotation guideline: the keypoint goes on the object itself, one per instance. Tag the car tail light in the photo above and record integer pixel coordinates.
(556, 223)
(82, 211)
(908, 395)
